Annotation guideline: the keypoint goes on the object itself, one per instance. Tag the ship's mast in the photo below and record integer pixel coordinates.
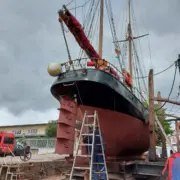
(101, 28)
(130, 39)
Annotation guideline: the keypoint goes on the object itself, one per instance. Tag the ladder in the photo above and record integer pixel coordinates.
(91, 121)
(13, 169)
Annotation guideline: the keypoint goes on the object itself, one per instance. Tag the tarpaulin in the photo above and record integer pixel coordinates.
(99, 171)
(76, 29)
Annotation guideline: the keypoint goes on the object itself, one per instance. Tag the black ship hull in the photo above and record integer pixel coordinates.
(96, 88)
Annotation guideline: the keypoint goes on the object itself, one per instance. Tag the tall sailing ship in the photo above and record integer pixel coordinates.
(92, 83)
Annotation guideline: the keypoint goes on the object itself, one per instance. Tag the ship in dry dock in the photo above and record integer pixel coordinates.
(92, 83)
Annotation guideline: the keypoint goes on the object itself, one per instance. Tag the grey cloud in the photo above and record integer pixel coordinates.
(30, 38)
(160, 16)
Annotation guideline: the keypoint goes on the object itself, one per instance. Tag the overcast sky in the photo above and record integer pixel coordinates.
(30, 38)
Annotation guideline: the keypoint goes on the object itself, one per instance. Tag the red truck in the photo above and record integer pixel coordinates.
(7, 143)
(8, 146)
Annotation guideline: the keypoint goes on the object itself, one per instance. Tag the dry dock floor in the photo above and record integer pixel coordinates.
(41, 167)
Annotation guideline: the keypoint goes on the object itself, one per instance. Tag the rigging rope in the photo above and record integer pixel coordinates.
(62, 27)
(68, 52)
(174, 104)
(90, 28)
(174, 112)
(138, 62)
(95, 28)
(69, 3)
(141, 66)
(79, 94)
(141, 70)
(155, 74)
(81, 6)
(138, 82)
(88, 20)
(171, 88)
(88, 15)
(75, 7)
(139, 42)
(113, 31)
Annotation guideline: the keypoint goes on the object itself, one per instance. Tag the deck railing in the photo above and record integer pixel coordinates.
(81, 63)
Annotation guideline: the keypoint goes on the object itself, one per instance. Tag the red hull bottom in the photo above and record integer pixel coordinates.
(123, 135)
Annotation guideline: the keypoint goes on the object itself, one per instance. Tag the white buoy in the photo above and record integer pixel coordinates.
(54, 69)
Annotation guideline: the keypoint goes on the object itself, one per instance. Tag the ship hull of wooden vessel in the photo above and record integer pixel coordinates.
(122, 116)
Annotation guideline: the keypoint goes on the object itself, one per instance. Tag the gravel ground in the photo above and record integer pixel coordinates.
(55, 178)
(35, 158)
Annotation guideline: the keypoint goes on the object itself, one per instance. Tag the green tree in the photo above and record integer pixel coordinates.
(166, 124)
(51, 129)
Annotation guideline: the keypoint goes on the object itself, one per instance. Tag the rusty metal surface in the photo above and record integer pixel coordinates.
(66, 126)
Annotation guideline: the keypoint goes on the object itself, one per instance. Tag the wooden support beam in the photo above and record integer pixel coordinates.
(166, 100)
(152, 149)
(161, 119)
